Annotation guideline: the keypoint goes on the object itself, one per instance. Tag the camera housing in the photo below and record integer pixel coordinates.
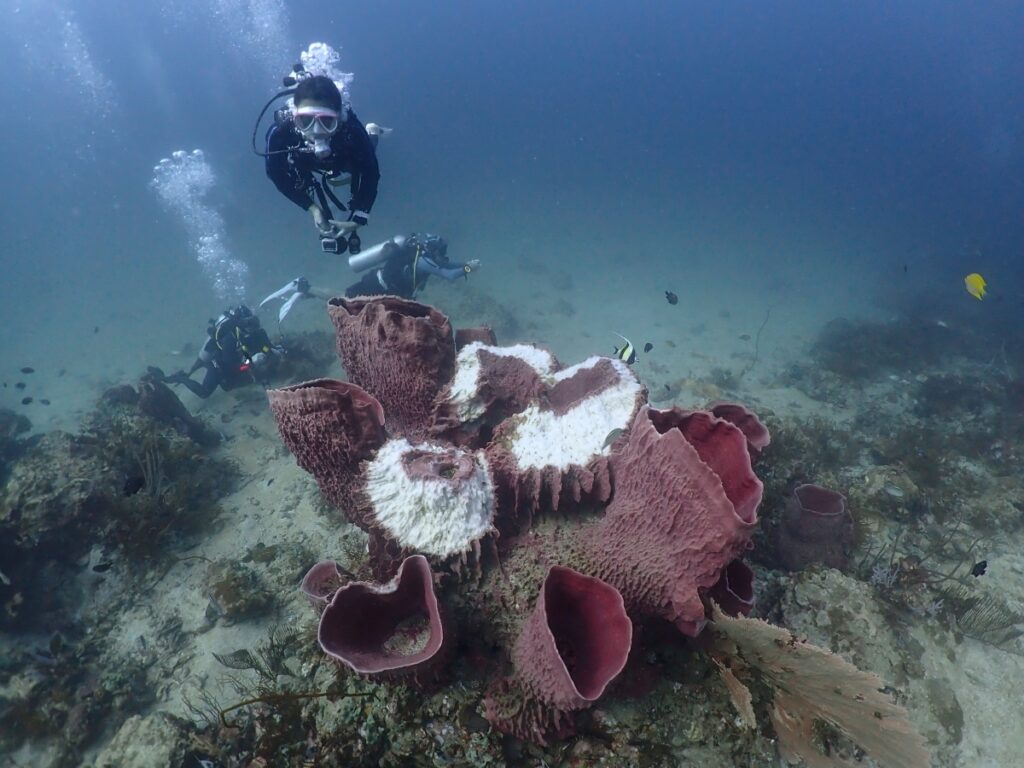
(333, 244)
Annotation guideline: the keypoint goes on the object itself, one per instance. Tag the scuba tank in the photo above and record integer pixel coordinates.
(376, 255)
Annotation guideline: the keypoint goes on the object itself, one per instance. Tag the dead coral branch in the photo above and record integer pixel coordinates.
(814, 685)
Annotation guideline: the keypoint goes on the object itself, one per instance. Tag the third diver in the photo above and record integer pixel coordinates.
(237, 352)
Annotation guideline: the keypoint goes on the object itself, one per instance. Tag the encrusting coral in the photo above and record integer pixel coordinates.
(597, 510)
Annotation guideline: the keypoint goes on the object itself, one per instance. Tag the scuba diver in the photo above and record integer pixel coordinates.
(403, 266)
(319, 134)
(237, 352)
(400, 266)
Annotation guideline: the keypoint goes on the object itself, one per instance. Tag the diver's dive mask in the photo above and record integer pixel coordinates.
(317, 125)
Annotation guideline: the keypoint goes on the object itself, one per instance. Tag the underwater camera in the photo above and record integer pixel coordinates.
(338, 244)
(333, 244)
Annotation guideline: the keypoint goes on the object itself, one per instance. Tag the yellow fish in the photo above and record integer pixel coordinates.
(975, 285)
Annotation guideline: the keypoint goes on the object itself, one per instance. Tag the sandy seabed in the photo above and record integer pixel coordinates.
(962, 693)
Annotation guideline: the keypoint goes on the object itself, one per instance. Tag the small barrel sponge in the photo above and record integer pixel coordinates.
(401, 352)
(330, 426)
(393, 627)
(816, 527)
(490, 384)
(575, 642)
(321, 581)
(557, 445)
(684, 507)
(734, 591)
(427, 498)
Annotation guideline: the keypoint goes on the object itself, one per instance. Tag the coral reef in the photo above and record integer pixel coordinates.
(116, 498)
(12, 427)
(654, 509)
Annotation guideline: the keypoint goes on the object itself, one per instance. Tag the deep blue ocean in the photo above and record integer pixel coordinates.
(878, 135)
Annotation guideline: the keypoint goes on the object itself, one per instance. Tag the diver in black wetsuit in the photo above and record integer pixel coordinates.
(321, 135)
(237, 352)
(409, 262)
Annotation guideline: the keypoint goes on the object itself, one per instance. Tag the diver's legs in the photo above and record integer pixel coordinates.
(200, 389)
(369, 285)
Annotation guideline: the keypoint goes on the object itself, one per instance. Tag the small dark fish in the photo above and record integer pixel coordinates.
(27, 369)
(904, 269)
(648, 347)
(62, 371)
(979, 568)
(5, 385)
(20, 385)
(270, 482)
(102, 567)
(745, 337)
(96, 329)
(26, 400)
(612, 437)
(44, 401)
(671, 297)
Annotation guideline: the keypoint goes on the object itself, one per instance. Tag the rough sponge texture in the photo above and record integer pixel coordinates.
(575, 642)
(330, 427)
(401, 352)
(683, 509)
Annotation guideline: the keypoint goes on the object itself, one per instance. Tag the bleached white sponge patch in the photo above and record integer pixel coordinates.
(543, 438)
(465, 387)
(442, 511)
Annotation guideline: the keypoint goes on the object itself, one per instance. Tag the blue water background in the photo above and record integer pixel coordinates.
(857, 153)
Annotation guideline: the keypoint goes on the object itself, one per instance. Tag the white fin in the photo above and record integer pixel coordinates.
(280, 293)
(287, 306)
